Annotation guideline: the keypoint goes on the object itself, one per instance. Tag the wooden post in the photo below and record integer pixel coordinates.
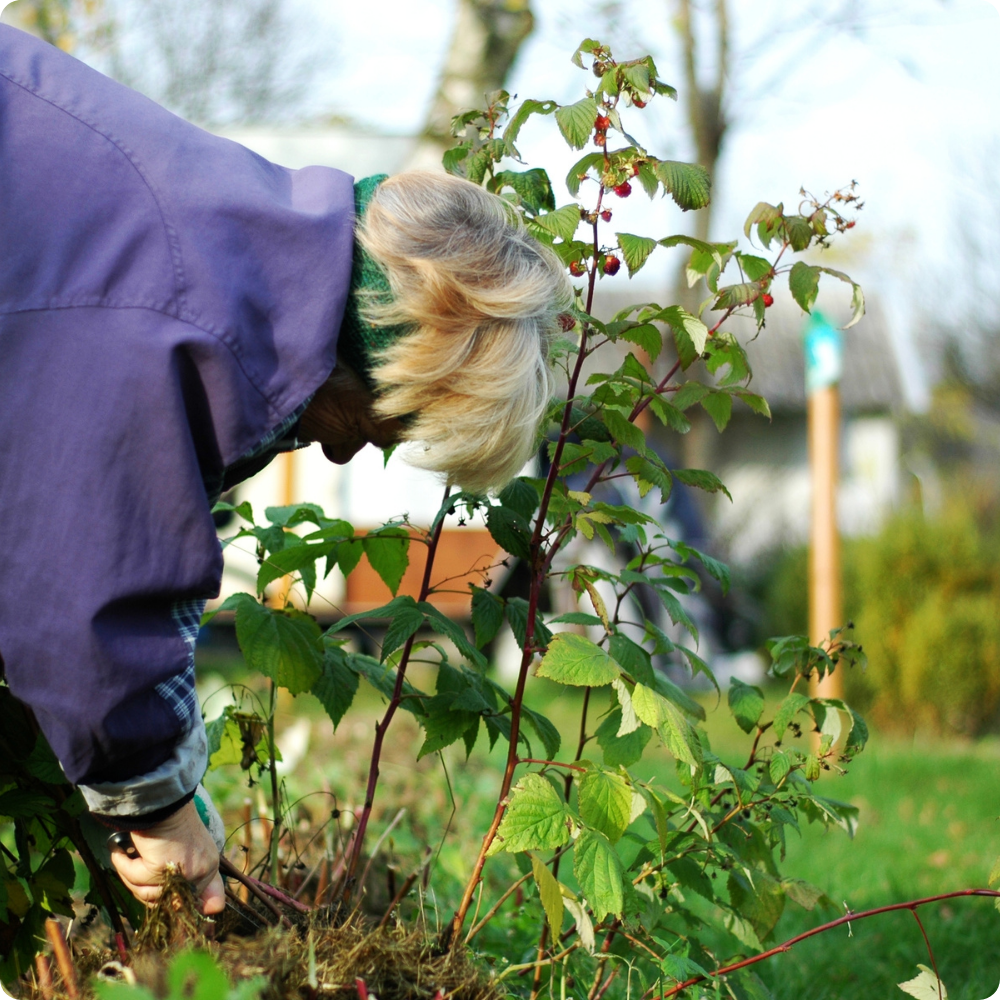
(824, 541)
(823, 356)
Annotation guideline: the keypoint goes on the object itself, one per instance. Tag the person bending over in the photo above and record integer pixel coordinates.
(174, 312)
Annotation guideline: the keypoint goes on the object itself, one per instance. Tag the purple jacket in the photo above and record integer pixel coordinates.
(167, 299)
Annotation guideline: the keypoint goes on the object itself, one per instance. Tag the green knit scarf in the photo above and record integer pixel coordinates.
(360, 342)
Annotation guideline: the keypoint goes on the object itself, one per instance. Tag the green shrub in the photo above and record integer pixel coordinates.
(925, 596)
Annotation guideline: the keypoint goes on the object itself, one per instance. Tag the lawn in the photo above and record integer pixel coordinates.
(928, 824)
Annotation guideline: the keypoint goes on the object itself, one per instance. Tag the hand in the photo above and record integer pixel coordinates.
(341, 417)
(181, 839)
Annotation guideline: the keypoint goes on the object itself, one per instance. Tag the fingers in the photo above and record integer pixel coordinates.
(213, 896)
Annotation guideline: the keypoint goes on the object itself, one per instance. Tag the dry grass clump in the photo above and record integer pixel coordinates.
(313, 959)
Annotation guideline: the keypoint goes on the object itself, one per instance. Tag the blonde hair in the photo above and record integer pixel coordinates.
(482, 297)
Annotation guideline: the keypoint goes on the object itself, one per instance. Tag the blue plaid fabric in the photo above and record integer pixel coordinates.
(178, 692)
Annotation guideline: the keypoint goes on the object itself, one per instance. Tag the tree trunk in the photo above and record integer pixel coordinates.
(484, 44)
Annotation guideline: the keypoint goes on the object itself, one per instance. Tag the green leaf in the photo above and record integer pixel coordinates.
(806, 895)
(349, 554)
(598, 869)
(787, 710)
(675, 731)
(532, 187)
(857, 298)
(719, 406)
(779, 766)
(574, 659)
(579, 170)
(632, 658)
(689, 184)
(284, 645)
(690, 334)
(635, 250)
(624, 431)
(336, 685)
(550, 894)
(803, 283)
(51, 884)
(754, 267)
(576, 121)
(442, 725)
(758, 898)
(388, 553)
(562, 223)
(445, 626)
(517, 617)
(520, 496)
(544, 730)
(621, 751)
(762, 214)
(746, 703)
(702, 480)
(535, 820)
(799, 232)
(605, 802)
(509, 530)
(296, 513)
(290, 559)
(517, 120)
(734, 296)
(487, 615)
(925, 986)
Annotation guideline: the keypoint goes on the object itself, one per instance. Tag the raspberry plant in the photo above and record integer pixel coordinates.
(665, 877)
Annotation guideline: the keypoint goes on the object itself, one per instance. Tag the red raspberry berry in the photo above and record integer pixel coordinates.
(638, 103)
(600, 139)
(606, 215)
(611, 265)
(623, 190)
(768, 300)
(635, 169)
(577, 269)
(601, 123)
(850, 225)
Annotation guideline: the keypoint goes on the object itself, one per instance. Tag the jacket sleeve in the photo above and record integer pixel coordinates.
(107, 541)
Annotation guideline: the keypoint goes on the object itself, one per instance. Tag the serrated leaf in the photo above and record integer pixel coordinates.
(387, 550)
(517, 120)
(787, 710)
(509, 530)
(719, 406)
(754, 267)
(550, 894)
(799, 232)
(690, 334)
(442, 725)
(535, 819)
(487, 615)
(635, 250)
(598, 869)
(584, 925)
(520, 496)
(758, 898)
(621, 751)
(779, 766)
(734, 296)
(762, 213)
(336, 685)
(284, 645)
(576, 121)
(925, 986)
(803, 283)
(624, 431)
(857, 296)
(632, 658)
(532, 187)
(605, 802)
(629, 720)
(803, 893)
(675, 731)
(702, 480)
(579, 171)
(575, 659)
(746, 703)
(544, 730)
(689, 184)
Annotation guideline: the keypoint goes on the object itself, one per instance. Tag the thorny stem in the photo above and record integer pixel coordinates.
(273, 768)
(930, 951)
(382, 727)
(847, 918)
(537, 576)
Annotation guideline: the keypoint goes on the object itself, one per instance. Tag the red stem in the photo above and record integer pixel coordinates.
(930, 950)
(382, 727)
(847, 918)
